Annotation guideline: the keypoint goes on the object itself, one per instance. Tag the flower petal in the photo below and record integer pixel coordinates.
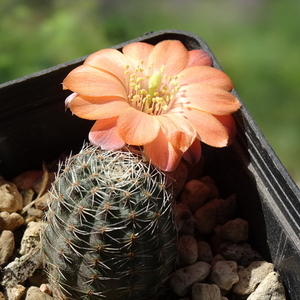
(91, 82)
(198, 57)
(110, 61)
(170, 54)
(205, 74)
(104, 134)
(229, 123)
(162, 154)
(208, 98)
(212, 130)
(178, 131)
(93, 108)
(193, 154)
(136, 127)
(137, 52)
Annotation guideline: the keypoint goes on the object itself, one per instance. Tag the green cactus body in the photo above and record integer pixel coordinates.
(109, 231)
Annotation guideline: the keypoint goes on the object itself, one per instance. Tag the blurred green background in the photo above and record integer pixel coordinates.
(257, 42)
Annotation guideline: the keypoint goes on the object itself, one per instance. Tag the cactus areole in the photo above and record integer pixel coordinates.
(109, 231)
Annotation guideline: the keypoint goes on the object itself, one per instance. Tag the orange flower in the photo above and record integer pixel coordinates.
(163, 97)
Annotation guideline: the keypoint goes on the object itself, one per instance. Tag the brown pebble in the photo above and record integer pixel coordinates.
(194, 194)
(25, 180)
(207, 216)
(10, 221)
(7, 246)
(10, 198)
(235, 230)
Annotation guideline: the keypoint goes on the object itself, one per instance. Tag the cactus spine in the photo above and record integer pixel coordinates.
(109, 231)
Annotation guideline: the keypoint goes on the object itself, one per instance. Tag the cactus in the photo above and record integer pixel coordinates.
(110, 232)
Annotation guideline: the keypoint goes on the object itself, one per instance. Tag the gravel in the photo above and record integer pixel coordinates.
(216, 260)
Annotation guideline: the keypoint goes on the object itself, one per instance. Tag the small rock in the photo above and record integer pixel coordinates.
(235, 230)
(34, 293)
(271, 288)
(25, 180)
(46, 288)
(194, 194)
(39, 183)
(204, 252)
(224, 274)
(35, 212)
(243, 254)
(227, 210)
(182, 279)
(2, 296)
(216, 258)
(188, 250)
(14, 292)
(7, 246)
(10, 198)
(207, 215)
(251, 277)
(42, 202)
(10, 221)
(31, 237)
(205, 291)
(185, 221)
(213, 188)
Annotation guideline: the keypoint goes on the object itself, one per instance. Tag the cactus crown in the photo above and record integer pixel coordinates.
(109, 231)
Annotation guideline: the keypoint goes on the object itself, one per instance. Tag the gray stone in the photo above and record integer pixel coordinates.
(204, 252)
(188, 250)
(243, 254)
(181, 280)
(205, 291)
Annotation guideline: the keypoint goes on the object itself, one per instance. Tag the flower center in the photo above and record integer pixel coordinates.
(151, 93)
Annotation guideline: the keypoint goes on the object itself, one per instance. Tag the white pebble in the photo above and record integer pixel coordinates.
(251, 277)
(31, 237)
(271, 288)
(224, 274)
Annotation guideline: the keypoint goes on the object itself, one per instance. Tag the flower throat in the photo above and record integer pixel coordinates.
(151, 93)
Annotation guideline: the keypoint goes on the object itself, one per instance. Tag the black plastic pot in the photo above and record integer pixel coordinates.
(34, 127)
